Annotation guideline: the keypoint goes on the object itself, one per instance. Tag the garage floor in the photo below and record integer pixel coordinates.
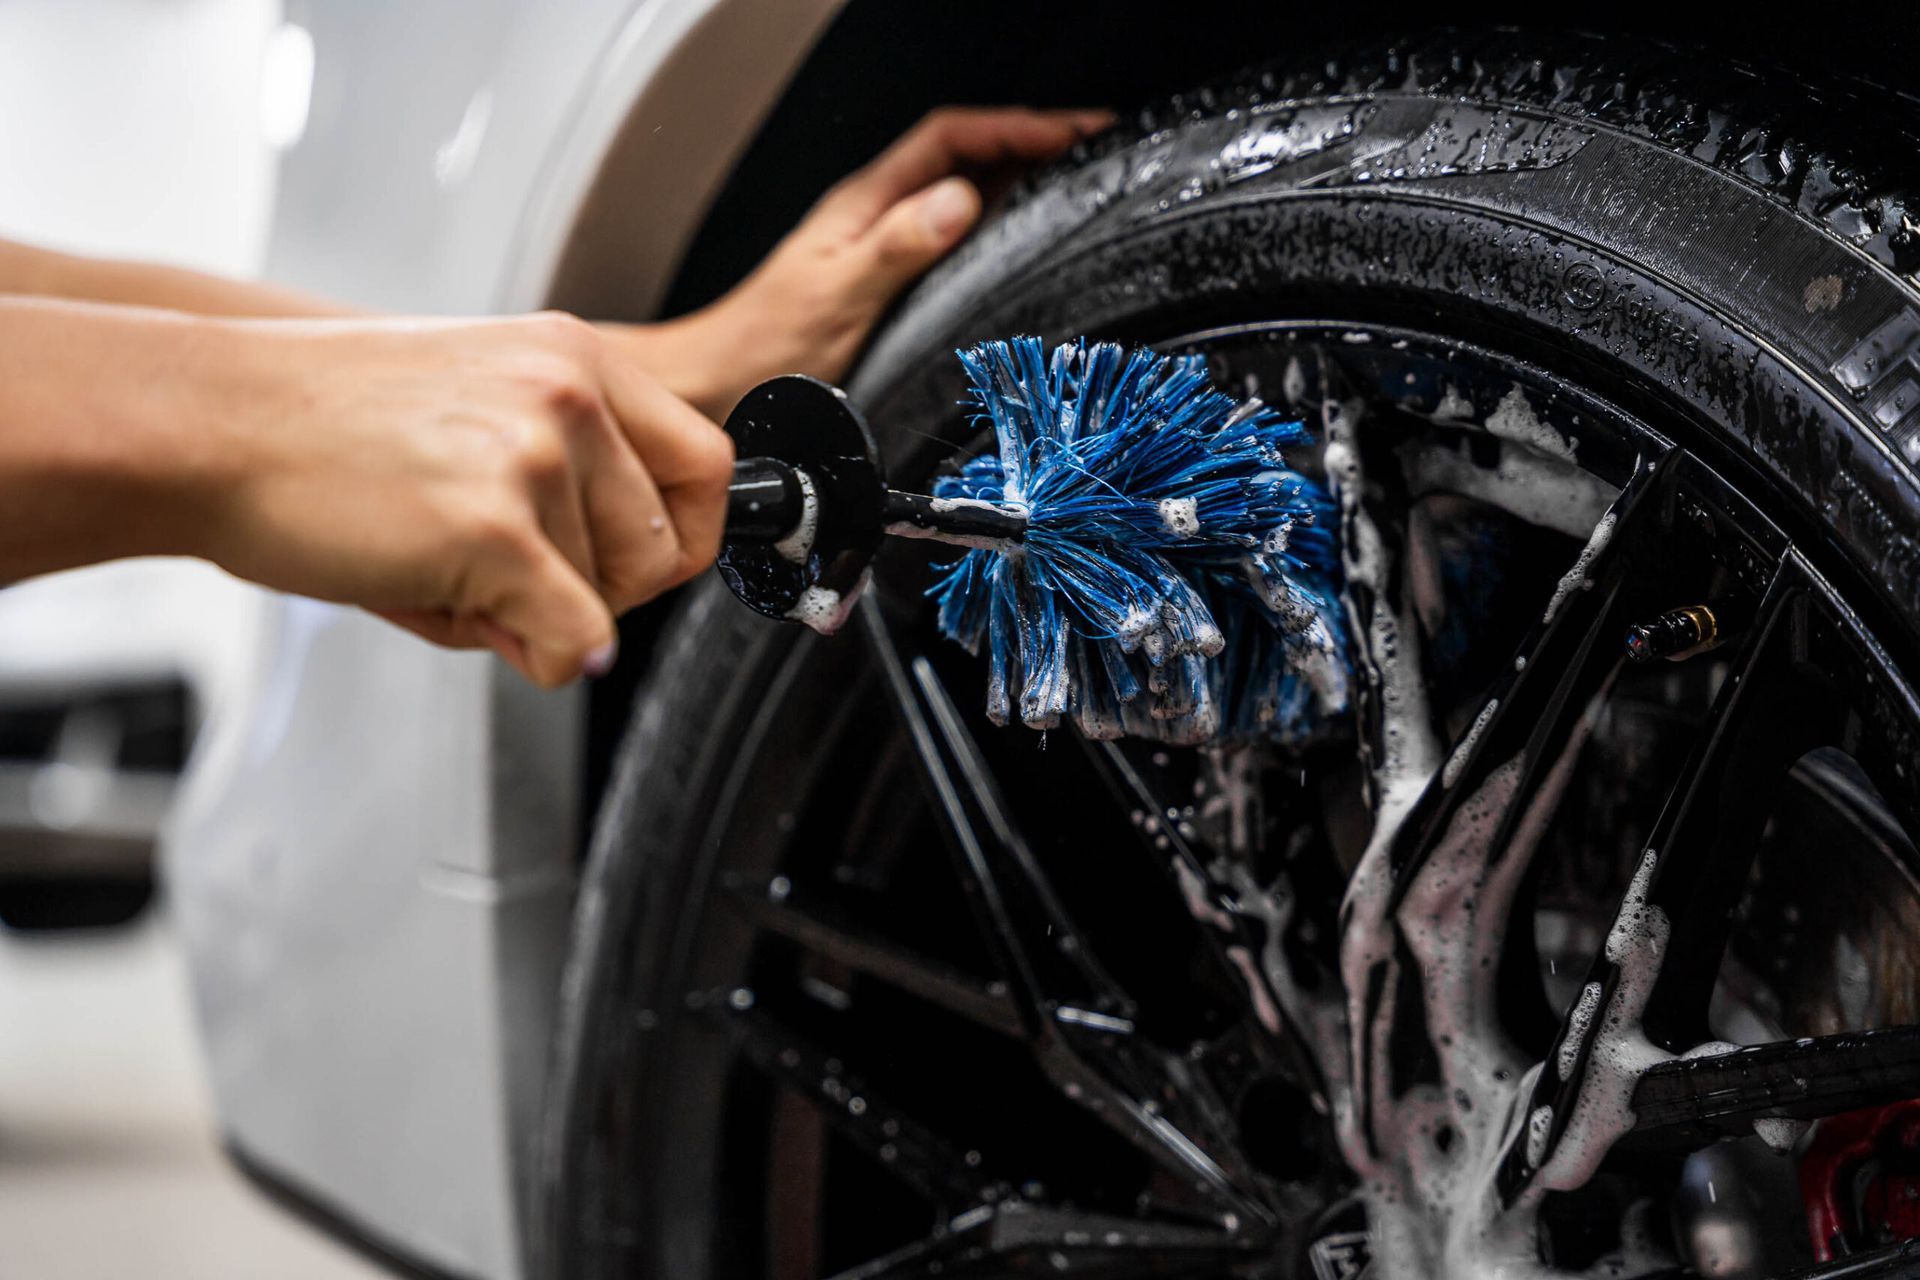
(108, 1164)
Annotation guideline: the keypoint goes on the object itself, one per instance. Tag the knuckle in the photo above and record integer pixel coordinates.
(713, 460)
(496, 530)
(561, 329)
(566, 391)
(540, 458)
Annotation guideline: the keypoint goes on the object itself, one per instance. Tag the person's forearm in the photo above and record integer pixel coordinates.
(33, 272)
(107, 445)
(674, 352)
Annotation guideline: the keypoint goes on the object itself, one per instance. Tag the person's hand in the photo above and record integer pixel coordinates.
(512, 484)
(809, 306)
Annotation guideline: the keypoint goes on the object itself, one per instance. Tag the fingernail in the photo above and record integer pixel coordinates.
(949, 208)
(600, 661)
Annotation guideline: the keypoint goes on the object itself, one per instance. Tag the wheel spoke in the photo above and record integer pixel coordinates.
(1523, 729)
(1080, 1021)
(1420, 1043)
(1768, 718)
(1035, 944)
(1399, 751)
(1656, 970)
(1896, 1262)
(913, 1152)
(1690, 1102)
(1243, 925)
(1019, 1238)
(981, 1003)
(1428, 919)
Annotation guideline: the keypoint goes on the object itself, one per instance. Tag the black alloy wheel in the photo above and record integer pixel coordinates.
(1546, 958)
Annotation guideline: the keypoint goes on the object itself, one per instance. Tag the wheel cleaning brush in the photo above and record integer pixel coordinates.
(1139, 554)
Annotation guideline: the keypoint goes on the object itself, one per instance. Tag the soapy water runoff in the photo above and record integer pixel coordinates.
(1426, 1156)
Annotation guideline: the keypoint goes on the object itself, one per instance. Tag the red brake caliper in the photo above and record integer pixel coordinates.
(1860, 1179)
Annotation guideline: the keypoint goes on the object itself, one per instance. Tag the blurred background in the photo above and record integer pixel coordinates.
(136, 128)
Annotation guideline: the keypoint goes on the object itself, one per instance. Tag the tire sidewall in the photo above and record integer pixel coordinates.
(1684, 294)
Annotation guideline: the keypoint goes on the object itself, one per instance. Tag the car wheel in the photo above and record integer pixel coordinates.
(1563, 953)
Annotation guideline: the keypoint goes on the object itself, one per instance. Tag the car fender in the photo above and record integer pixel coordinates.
(371, 864)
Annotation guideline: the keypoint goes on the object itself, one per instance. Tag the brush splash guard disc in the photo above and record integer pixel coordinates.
(1178, 580)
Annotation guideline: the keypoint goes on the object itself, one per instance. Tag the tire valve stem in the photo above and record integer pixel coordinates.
(1675, 635)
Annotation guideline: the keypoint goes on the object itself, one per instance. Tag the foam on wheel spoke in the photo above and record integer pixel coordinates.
(1244, 924)
(1773, 1089)
(1580, 1099)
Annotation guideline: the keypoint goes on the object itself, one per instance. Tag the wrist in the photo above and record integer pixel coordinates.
(188, 415)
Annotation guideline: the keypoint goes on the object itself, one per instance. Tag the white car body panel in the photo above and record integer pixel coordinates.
(371, 863)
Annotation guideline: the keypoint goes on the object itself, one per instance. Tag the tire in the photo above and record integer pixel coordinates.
(1725, 251)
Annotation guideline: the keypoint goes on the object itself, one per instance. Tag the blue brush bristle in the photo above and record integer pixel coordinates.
(1178, 579)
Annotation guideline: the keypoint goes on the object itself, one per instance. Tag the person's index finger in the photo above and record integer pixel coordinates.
(955, 137)
(944, 141)
(689, 458)
(676, 443)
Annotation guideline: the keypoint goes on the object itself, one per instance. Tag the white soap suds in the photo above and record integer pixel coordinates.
(941, 506)
(1539, 1128)
(798, 544)
(1433, 1208)
(1453, 406)
(1541, 490)
(1577, 1023)
(1181, 516)
(824, 610)
(1780, 1133)
(1293, 382)
(1575, 579)
(1458, 760)
(1514, 419)
(1427, 1154)
(820, 609)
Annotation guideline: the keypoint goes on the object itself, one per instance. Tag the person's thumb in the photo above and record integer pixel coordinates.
(551, 625)
(919, 230)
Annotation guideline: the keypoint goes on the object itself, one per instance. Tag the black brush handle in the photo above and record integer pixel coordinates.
(809, 504)
(765, 501)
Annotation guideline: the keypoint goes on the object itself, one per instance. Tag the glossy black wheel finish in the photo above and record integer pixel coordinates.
(1144, 1065)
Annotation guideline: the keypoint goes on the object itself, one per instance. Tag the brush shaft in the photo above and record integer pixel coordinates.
(962, 521)
(766, 502)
